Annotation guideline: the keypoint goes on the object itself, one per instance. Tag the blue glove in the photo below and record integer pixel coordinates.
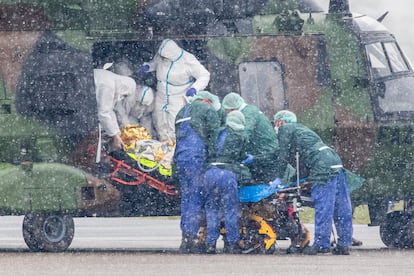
(144, 68)
(191, 92)
(248, 160)
(275, 182)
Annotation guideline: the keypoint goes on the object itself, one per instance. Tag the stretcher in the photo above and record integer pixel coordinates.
(128, 175)
(271, 213)
(141, 161)
(141, 193)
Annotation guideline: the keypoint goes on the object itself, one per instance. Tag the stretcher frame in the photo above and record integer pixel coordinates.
(121, 168)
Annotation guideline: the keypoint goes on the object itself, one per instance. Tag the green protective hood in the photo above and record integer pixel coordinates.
(236, 120)
(232, 101)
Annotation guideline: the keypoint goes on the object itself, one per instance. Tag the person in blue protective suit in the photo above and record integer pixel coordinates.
(221, 181)
(196, 126)
(329, 190)
(179, 75)
(262, 141)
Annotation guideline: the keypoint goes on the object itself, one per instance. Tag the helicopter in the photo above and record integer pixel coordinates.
(343, 74)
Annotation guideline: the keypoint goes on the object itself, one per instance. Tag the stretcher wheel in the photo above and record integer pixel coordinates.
(259, 238)
(271, 250)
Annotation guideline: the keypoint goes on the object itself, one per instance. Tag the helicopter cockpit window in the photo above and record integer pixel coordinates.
(261, 84)
(378, 60)
(396, 60)
(393, 94)
(385, 59)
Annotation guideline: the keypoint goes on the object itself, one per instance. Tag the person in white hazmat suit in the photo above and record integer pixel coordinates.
(118, 99)
(138, 109)
(179, 75)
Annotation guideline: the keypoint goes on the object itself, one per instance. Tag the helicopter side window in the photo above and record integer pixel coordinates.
(378, 60)
(396, 95)
(261, 84)
(396, 60)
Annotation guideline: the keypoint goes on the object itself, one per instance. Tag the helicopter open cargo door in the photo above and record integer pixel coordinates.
(261, 84)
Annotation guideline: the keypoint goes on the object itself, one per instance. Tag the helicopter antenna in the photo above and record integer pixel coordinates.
(381, 18)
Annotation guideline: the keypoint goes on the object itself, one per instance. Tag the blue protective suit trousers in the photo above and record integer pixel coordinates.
(190, 159)
(332, 202)
(221, 198)
(192, 200)
(191, 197)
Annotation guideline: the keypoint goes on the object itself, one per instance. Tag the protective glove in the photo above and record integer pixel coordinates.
(276, 182)
(248, 160)
(144, 68)
(117, 143)
(191, 92)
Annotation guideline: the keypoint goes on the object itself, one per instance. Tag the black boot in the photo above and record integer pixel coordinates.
(211, 249)
(356, 242)
(340, 250)
(233, 249)
(294, 249)
(313, 250)
(188, 244)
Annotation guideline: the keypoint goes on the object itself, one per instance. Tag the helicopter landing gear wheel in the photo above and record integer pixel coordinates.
(409, 242)
(393, 231)
(48, 232)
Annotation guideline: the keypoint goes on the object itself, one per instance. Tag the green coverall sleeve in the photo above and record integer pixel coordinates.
(212, 131)
(285, 137)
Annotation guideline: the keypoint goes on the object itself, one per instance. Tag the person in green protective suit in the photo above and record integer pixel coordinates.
(329, 191)
(197, 127)
(262, 141)
(221, 181)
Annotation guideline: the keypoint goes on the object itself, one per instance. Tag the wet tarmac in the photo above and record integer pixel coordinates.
(148, 246)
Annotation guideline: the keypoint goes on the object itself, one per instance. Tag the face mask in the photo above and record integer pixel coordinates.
(276, 128)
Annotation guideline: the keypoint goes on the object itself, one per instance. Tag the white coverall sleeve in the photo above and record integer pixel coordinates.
(122, 112)
(199, 72)
(105, 102)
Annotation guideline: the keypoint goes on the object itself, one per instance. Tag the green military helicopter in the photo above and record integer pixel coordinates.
(343, 74)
